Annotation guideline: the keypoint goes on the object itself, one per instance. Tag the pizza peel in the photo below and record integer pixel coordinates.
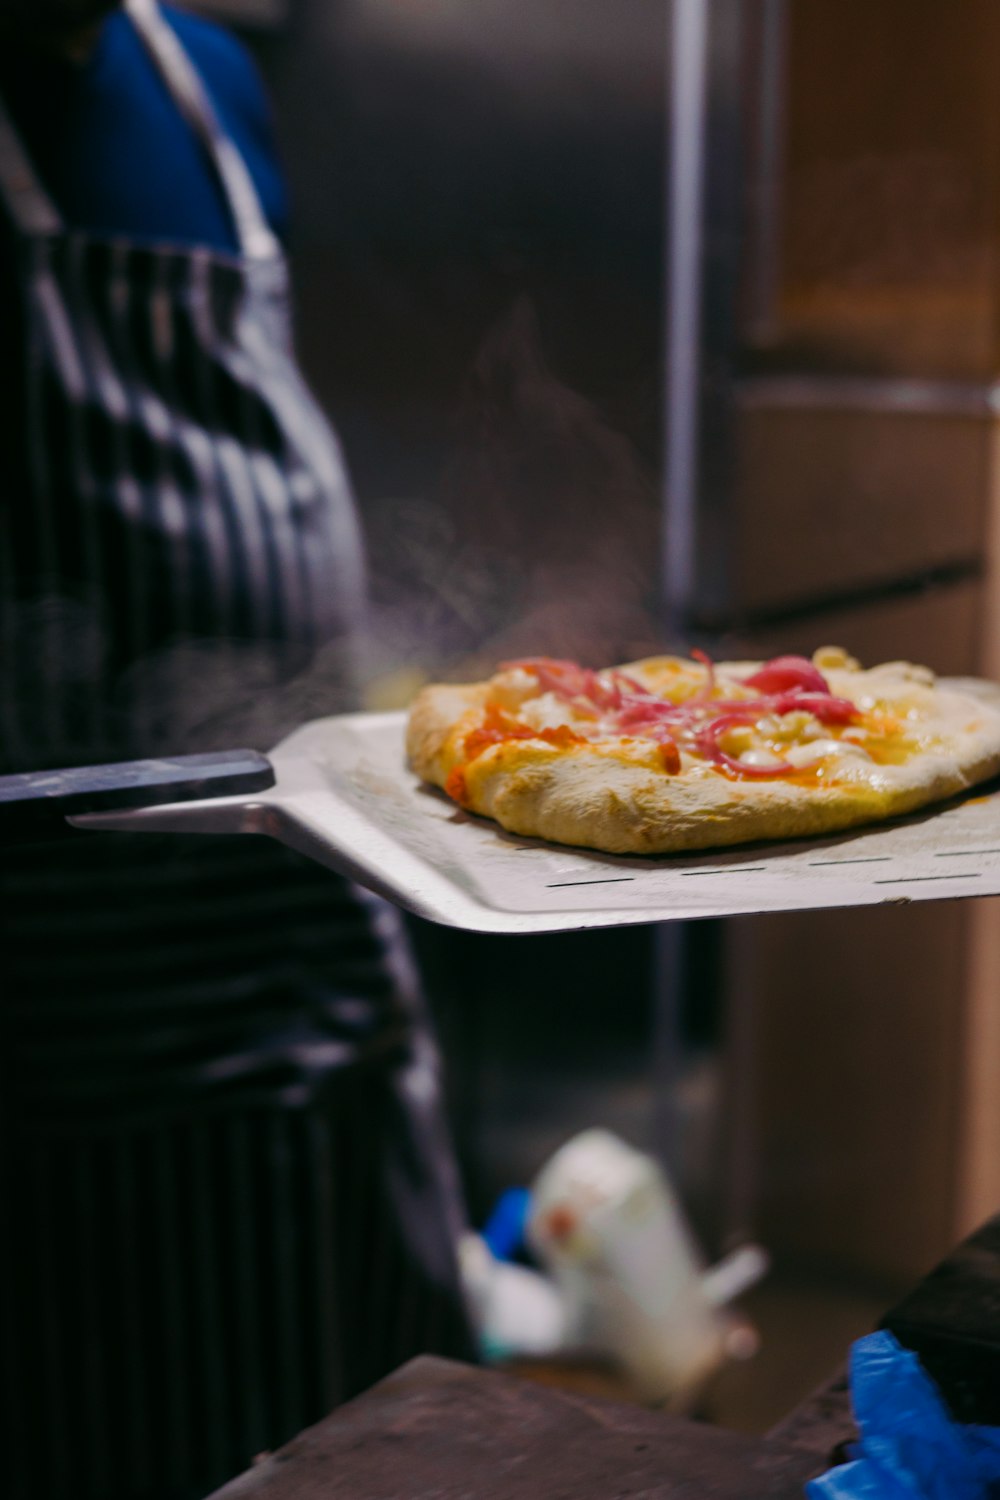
(338, 790)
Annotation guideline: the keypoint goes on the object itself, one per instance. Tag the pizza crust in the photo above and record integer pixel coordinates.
(596, 798)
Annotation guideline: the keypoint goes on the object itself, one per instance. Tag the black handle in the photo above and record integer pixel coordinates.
(36, 804)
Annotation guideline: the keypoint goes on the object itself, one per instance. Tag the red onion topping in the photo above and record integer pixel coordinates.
(786, 673)
(788, 684)
(708, 743)
(708, 690)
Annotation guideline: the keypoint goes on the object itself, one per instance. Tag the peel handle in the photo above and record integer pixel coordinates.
(35, 804)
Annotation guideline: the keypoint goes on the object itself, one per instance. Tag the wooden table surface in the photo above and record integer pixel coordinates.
(436, 1430)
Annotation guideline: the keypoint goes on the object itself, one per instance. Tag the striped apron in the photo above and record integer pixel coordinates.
(227, 1201)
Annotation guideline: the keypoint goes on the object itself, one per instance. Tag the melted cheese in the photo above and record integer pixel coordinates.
(888, 734)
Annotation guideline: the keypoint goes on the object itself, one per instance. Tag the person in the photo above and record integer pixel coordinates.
(228, 1198)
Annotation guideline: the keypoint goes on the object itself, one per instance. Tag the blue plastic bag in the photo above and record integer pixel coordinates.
(505, 1228)
(911, 1447)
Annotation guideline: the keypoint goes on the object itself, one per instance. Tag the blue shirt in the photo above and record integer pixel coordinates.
(114, 151)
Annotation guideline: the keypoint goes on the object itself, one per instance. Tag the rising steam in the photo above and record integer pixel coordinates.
(540, 537)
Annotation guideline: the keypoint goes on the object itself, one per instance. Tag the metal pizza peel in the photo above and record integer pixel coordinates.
(339, 791)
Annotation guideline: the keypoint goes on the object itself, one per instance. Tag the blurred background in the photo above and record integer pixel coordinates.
(679, 324)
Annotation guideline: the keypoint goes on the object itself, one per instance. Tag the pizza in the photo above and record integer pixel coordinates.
(670, 754)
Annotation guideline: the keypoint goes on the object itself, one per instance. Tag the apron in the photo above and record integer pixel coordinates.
(228, 1200)
(177, 483)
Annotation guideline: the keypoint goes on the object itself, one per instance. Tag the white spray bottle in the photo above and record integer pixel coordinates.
(607, 1226)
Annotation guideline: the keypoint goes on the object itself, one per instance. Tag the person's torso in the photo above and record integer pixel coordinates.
(113, 150)
(177, 536)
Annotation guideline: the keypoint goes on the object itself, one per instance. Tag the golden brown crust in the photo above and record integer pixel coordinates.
(434, 715)
(590, 796)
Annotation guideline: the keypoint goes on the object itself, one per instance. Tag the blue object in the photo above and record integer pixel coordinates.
(111, 146)
(504, 1232)
(911, 1447)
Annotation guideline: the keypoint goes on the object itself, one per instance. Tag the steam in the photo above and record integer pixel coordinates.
(541, 536)
(63, 703)
(218, 695)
